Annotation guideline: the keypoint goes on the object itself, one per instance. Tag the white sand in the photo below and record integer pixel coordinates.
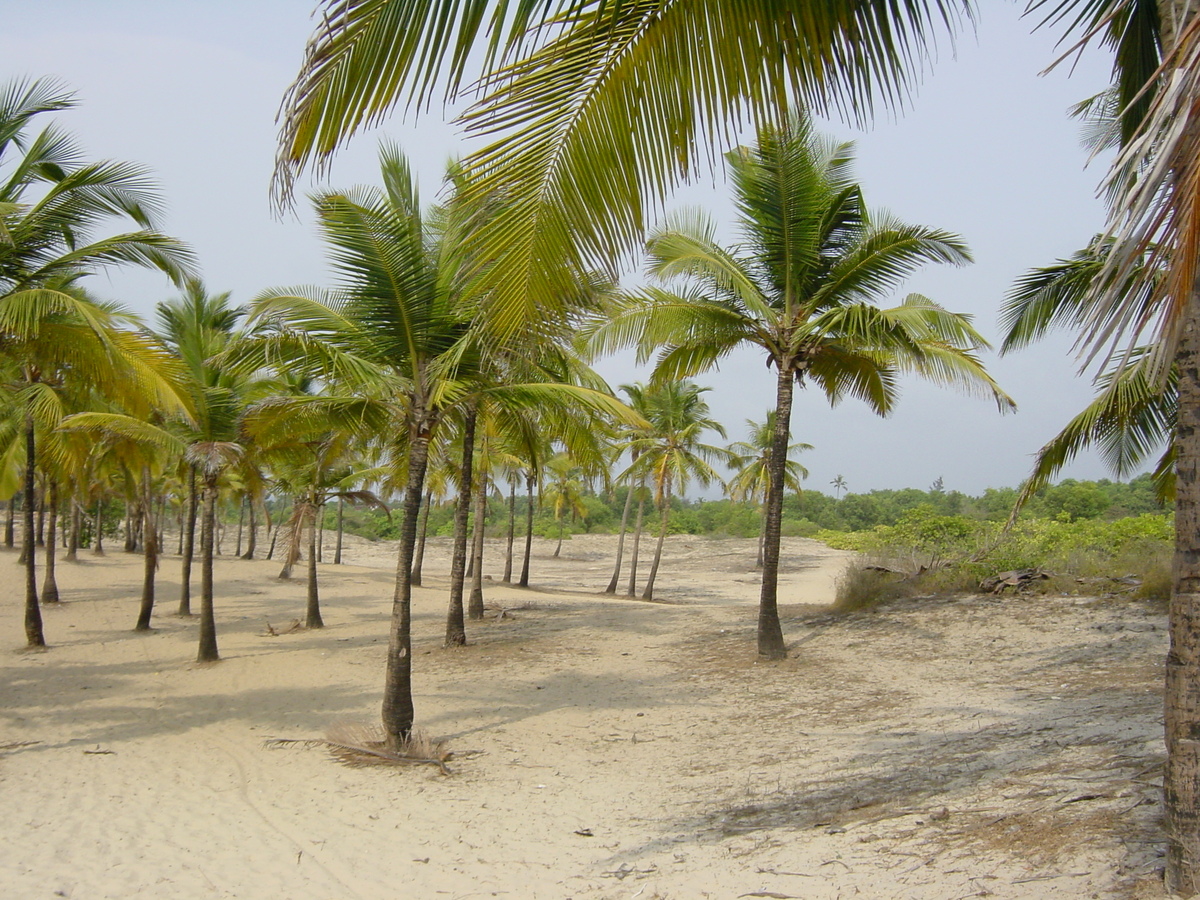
(605, 748)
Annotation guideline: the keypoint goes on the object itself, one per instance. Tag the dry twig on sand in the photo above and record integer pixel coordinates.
(357, 744)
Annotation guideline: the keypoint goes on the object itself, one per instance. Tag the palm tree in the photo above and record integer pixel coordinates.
(802, 288)
(670, 452)
(563, 491)
(752, 458)
(839, 485)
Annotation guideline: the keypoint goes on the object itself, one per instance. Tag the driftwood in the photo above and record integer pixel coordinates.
(1016, 578)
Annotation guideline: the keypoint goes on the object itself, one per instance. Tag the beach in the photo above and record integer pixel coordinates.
(603, 747)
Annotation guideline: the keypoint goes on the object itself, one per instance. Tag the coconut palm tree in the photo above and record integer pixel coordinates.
(751, 460)
(802, 288)
(563, 491)
(670, 452)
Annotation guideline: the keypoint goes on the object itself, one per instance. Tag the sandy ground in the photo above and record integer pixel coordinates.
(604, 747)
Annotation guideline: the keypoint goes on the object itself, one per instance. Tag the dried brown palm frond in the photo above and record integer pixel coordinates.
(360, 744)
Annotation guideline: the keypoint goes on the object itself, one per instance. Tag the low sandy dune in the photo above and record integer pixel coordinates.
(604, 747)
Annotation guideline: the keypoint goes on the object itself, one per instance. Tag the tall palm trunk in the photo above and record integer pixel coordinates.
(319, 512)
(424, 529)
(616, 575)
(770, 633)
(341, 516)
(150, 562)
(98, 529)
(252, 533)
(10, 522)
(456, 626)
(397, 687)
(512, 531)
(530, 481)
(631, 591)
(648, 594)
(189, 546)
(208, 622)
(49, 580)
(312, 617)
(73, 537)
(558, 546)
(475, 603)
(241, 525)
(34, 637)
(41, 518)
(762, 533)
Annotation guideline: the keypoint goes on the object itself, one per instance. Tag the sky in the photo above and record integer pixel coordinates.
(985, 149)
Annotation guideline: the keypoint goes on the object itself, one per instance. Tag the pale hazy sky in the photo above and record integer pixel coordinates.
(191, 89)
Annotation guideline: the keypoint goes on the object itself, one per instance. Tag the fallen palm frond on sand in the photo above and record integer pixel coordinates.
(358, 744)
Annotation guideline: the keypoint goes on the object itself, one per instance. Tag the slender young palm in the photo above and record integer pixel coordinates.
(839, 484)
(752, 467)
(670, 452)
(802, 288)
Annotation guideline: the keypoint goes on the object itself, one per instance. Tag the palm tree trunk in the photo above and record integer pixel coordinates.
(770, 633)
(10, 522)
(41, 518)
(1181, 783)
(558, 546)
(73, 538)
(637, 543)
(295, 535)
(512, 531)
(475, 603)
(616, 575)
(130, 530)
(456, 626)
(530, 480)
(49, 581)
(648, 594)
(34, 637)
(762, 534)
(241, 524)
(313, 615)
(397, 687)
(189, 546)
(208, 622)
(320, 543)
(341, 515)
(252, 535)
(150, 563)
(424, 529)
(98, 529)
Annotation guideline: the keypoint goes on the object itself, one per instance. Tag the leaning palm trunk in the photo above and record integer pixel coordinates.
(637, 542)
(424, 530)
(208, 622)
(189, 546)
(456, 626)
(252, 534)
(98, 530)
(313, 614)
(49, 581)
(397, 688)
(616, 575)
(150, 562)
(512, 532)
(34, 636)
(529, 483)
(475, 603)
(648, 594)
(770, 632)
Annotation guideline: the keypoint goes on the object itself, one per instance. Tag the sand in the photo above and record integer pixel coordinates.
(604, 747)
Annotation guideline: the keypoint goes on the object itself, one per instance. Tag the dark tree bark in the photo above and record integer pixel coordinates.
(131, 537)
(208, 622)
(648, 594)
(98, 530)
(558, 546)
(1181, 783)
(397, 688)
(73, 537)
(320, 543)
(475, 602)
(10, 523)
(49, 580)
(419, 560)
(241, 525)
(631, 590)
(341, 516)
(512, 531)
(189, 546)
(252, 534)
(456, 626)
(616, 575)
(530, 483)
(150, 560)
(770, 633)
(34, 636)
(312, 618)
(41, 518)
